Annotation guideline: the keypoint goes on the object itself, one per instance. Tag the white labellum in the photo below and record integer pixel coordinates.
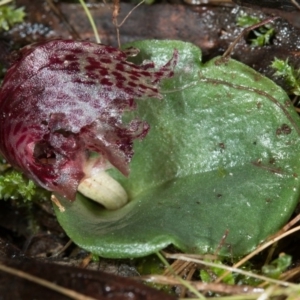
(103, 189)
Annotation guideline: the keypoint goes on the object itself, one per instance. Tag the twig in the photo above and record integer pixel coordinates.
(244, 32)
(71, 29)
(259, 249)
(177, 266)
(202, 286)
(188, 278)
(182, 281)
(116, 9)
(66, 246)
(222, 242)
(131, 11)
(288, 275)
(3, 2)
(52, 286)
(296, 4)
(234, 269)
(85, 262)
(289, 225)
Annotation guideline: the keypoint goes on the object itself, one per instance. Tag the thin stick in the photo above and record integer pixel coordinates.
(244, 31)
(57, 203)
(66, 246)
(124, 20)
(222, 242)
(178, 266)
(70, 27)
(188, 278)
(116, 9)
(85, 262)
(223, 288)
(296, 4)
(232, 269)
(52, 286)
(288, 275)
(259, 249)
(115, 13)
(3, 2)
(290, 224)
(91, 21)
(183, 282)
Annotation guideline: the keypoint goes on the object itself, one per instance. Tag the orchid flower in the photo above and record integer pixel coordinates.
(62, 101)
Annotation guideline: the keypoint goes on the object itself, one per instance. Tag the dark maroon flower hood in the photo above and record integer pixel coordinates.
(63, 99)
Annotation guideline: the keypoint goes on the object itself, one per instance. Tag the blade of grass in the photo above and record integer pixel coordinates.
(260, 248)
(185, 257)
(182, 281)
(91, 21)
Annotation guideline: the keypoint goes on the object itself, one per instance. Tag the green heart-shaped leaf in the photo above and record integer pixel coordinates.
(221, 157)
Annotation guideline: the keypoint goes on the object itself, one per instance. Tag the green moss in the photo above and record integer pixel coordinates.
(262, 35)
(10, 15)
(288, 72)
(13, 185)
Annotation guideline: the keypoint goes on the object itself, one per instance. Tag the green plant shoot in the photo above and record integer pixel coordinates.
(263, 34)
(277, 266)
(9, 16)
(288, 72)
